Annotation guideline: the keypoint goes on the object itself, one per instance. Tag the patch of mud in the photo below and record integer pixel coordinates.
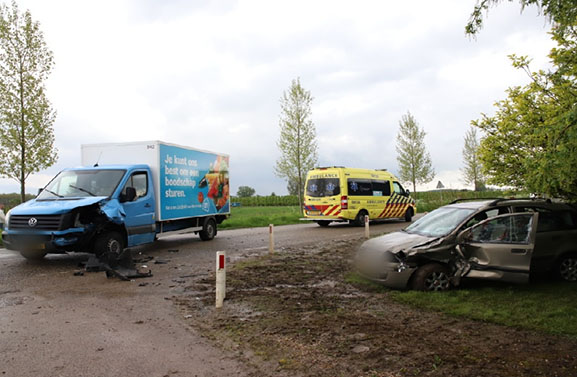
(11, 298)
(296, 312)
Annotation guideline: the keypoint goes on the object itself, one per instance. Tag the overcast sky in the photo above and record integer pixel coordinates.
(210, 74)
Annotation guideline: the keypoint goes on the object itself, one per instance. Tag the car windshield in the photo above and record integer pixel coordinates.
(82, 183)
(440, 221)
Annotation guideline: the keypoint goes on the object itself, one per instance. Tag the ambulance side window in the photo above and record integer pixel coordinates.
(360, 187)
(381, 188)
(398, 188)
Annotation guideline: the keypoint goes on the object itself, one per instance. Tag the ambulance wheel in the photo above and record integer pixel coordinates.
(208, 230)
(360, 219)
(409, 215)
(323, 223)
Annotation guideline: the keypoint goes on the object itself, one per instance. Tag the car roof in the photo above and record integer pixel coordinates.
(544, 203)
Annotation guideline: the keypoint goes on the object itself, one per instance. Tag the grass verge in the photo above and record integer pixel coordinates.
(549, 307)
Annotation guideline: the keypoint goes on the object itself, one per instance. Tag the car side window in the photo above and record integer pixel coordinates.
(550, 221)
(485, 215)
(510, 229)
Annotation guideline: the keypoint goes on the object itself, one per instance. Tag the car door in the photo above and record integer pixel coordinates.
(500, 248)
(139, 221)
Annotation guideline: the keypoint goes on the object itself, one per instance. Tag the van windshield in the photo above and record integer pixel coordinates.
(82, 183)
(321, 187)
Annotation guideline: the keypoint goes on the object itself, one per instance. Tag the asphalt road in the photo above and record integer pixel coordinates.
(54, 323)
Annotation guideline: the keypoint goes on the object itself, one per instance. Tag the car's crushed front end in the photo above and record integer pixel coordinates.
(393, 258)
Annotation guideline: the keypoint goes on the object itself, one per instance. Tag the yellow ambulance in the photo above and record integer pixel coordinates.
(345, 194)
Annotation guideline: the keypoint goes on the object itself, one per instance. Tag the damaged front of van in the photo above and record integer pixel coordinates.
(67, 214)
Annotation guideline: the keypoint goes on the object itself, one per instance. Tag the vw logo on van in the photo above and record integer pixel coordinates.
(32, 222)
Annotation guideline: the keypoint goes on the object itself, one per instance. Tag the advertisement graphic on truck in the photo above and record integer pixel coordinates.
(347, 194)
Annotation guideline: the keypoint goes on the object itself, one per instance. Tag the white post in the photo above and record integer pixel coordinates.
(220, 278)
(271, 239)
(367, 235)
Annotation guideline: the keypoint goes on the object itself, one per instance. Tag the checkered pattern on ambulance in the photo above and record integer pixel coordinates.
(396, 206)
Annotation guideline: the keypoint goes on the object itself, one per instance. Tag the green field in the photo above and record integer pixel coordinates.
(252, 217)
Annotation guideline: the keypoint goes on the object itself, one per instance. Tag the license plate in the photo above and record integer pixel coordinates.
(314, 213)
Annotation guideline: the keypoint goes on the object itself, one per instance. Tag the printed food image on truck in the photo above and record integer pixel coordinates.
(126, 194)
(337, 194)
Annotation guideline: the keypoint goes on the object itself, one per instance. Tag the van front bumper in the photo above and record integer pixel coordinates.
(58, 241)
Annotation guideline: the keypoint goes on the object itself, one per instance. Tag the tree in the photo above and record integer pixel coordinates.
(26, 115)
(293, 189)
(245, 192)
(472, 171)
(297, 142)
(531, 141)
(562, 13)
(414, 161)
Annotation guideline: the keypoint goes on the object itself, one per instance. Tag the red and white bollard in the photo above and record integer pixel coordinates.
(367, 235)
(220, 278)
(271, 239)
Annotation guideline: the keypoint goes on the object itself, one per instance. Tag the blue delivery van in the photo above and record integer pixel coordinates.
(124, 195)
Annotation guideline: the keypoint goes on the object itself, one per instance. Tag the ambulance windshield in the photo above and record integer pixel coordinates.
(321, 187)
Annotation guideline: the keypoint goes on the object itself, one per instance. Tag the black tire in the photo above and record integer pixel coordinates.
(33, 254)
(208, 230)
(360, 219)
(431, 277)
(409, 215)
(109, 244)
(566, 269)
(323, 223)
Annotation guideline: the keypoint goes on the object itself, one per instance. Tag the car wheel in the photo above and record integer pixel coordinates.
(567, 267)
(33, 254)
(208, 230)
(409, 215)
(323, 223)
(431, 277)
(360, 219)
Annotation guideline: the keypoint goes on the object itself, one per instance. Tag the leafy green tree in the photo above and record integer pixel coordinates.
(293, 189)
(26, 115)
(297, 142)
(531, 141)
(414, 161)
(472, 171)
(245, 192)
(562, 13)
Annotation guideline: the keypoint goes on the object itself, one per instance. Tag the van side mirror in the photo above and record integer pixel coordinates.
(407, 192)
(128, 195)
(40, 191)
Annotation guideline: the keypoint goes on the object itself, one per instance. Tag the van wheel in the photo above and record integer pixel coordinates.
(109, 244)
(323, 223)
(567, 267)
(360, 219)
(431, 277)
(409, 215)
(33, 254)
(208, 230)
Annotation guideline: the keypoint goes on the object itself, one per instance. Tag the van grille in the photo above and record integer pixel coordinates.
(41, 222)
